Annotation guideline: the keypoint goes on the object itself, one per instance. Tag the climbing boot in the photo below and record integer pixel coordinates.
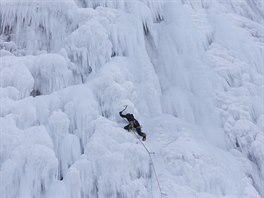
(144, 138)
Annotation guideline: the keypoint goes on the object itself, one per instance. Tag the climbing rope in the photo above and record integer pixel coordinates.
(152, 163)
(151, 160)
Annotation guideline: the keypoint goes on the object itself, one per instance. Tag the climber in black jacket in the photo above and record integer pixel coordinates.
(133, 124)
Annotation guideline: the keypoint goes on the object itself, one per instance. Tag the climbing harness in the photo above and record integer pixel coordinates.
(151, 160)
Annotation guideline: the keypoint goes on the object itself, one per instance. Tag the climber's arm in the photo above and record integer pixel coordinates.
(122, 115)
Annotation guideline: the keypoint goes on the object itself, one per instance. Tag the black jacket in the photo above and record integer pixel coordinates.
(130, 118)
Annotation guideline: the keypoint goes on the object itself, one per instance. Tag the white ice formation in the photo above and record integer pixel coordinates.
(191, 71)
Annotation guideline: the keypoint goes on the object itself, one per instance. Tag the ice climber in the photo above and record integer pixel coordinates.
(133, 123)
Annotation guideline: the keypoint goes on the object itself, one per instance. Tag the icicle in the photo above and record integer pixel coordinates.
(35, 25)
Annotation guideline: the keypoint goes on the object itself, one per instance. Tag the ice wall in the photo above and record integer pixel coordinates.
(191, 72)
(82, 140)
(146, 10)
(78, 34)
(33, 25)
(193, 39)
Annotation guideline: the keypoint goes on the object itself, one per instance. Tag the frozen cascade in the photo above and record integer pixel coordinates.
(146, 10)
(33, 25)
(182, 74)
(29, 166)
(81, 48)
(16, 75)
(191, 72)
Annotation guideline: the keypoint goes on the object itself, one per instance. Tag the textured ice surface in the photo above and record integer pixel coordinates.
(191, 71)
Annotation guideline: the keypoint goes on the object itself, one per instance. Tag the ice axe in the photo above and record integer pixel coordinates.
(124, 108)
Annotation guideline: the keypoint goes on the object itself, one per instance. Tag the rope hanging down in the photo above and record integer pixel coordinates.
(152, 163)
(151, 160)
